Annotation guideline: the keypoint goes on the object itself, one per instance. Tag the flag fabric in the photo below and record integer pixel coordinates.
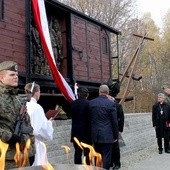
(40, 19)
(75, 90)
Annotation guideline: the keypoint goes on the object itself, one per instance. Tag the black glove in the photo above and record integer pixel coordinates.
(14, 139)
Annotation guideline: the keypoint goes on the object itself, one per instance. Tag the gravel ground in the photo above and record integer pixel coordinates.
(130, 161)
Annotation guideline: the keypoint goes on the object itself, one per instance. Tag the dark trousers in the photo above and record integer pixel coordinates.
(166, 143)
(105, 149)
(78, 154)
(31, 160)
(115, 154)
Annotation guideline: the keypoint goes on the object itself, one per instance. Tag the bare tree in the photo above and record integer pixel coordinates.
(114, 13)
(122, 15)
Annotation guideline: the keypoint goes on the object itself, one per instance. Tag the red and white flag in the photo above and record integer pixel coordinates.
(75, 90)
(42, 26)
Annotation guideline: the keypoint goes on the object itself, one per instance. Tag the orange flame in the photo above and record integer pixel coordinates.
(99, 162)
(28, 143)
(93, 155)
(46, 166)
(78, 143)
(20, 158)
(3, 150)
(67, 149)
(85, 164)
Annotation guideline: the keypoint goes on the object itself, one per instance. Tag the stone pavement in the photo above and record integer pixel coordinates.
(138, 135)
(154, 162)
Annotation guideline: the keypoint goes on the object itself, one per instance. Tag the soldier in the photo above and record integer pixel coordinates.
(9, 112)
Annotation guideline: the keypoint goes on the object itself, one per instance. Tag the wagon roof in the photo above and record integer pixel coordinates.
(82, 15)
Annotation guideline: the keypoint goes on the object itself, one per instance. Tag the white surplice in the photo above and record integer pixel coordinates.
(43, 130)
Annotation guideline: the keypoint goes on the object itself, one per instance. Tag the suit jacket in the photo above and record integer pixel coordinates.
(159, 120)
(104, 122)
(81, 127)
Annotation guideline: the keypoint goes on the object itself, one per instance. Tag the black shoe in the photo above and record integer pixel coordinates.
(116, 167)
(167, 151)
(160, 152)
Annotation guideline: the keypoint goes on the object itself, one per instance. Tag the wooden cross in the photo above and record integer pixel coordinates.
(132, 61)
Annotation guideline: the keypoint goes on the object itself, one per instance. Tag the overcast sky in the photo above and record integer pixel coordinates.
(157, 8)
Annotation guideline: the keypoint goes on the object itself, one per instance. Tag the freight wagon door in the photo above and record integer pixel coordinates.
(90, 51)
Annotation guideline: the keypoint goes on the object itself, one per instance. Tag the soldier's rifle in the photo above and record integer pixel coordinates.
(20, 127)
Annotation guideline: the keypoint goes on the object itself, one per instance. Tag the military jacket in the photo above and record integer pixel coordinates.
(9, 110)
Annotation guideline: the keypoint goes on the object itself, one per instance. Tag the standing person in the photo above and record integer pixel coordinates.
(114, 90)
(81, 128)
(43, 128)
(10, 112)
(161, 114)
(104, 125)
(166, 91)
(116, 148)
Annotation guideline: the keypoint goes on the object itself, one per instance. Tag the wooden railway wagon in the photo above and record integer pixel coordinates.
(81, 45)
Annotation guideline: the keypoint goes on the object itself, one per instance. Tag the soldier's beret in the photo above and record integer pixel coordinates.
(9, 65)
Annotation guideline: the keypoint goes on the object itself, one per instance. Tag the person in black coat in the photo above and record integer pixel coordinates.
(81, 128)
(160, 115)
(104, 125)
(115, 160)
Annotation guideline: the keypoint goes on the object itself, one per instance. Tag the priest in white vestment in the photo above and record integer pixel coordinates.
(43, 128)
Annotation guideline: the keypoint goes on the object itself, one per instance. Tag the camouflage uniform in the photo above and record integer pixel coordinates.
(10, 107)
(9, 110)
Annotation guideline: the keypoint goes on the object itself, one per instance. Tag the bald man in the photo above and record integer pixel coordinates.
(104, 125)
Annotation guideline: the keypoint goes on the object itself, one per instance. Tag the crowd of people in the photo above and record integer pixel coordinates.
(106, 122)
(98, 122)
(94, 122)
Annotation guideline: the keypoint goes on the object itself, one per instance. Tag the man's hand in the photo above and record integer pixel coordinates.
(115, 141)
(110, 97)
(51, 119)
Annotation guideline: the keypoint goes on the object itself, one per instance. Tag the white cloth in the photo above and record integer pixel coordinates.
(43, 130)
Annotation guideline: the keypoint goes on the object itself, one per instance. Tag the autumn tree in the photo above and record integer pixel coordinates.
(114, 13)
(165, 53)
(122, 15)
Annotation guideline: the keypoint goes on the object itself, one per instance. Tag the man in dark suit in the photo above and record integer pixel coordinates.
(81, 128)
(160, 115)
(104, 125)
